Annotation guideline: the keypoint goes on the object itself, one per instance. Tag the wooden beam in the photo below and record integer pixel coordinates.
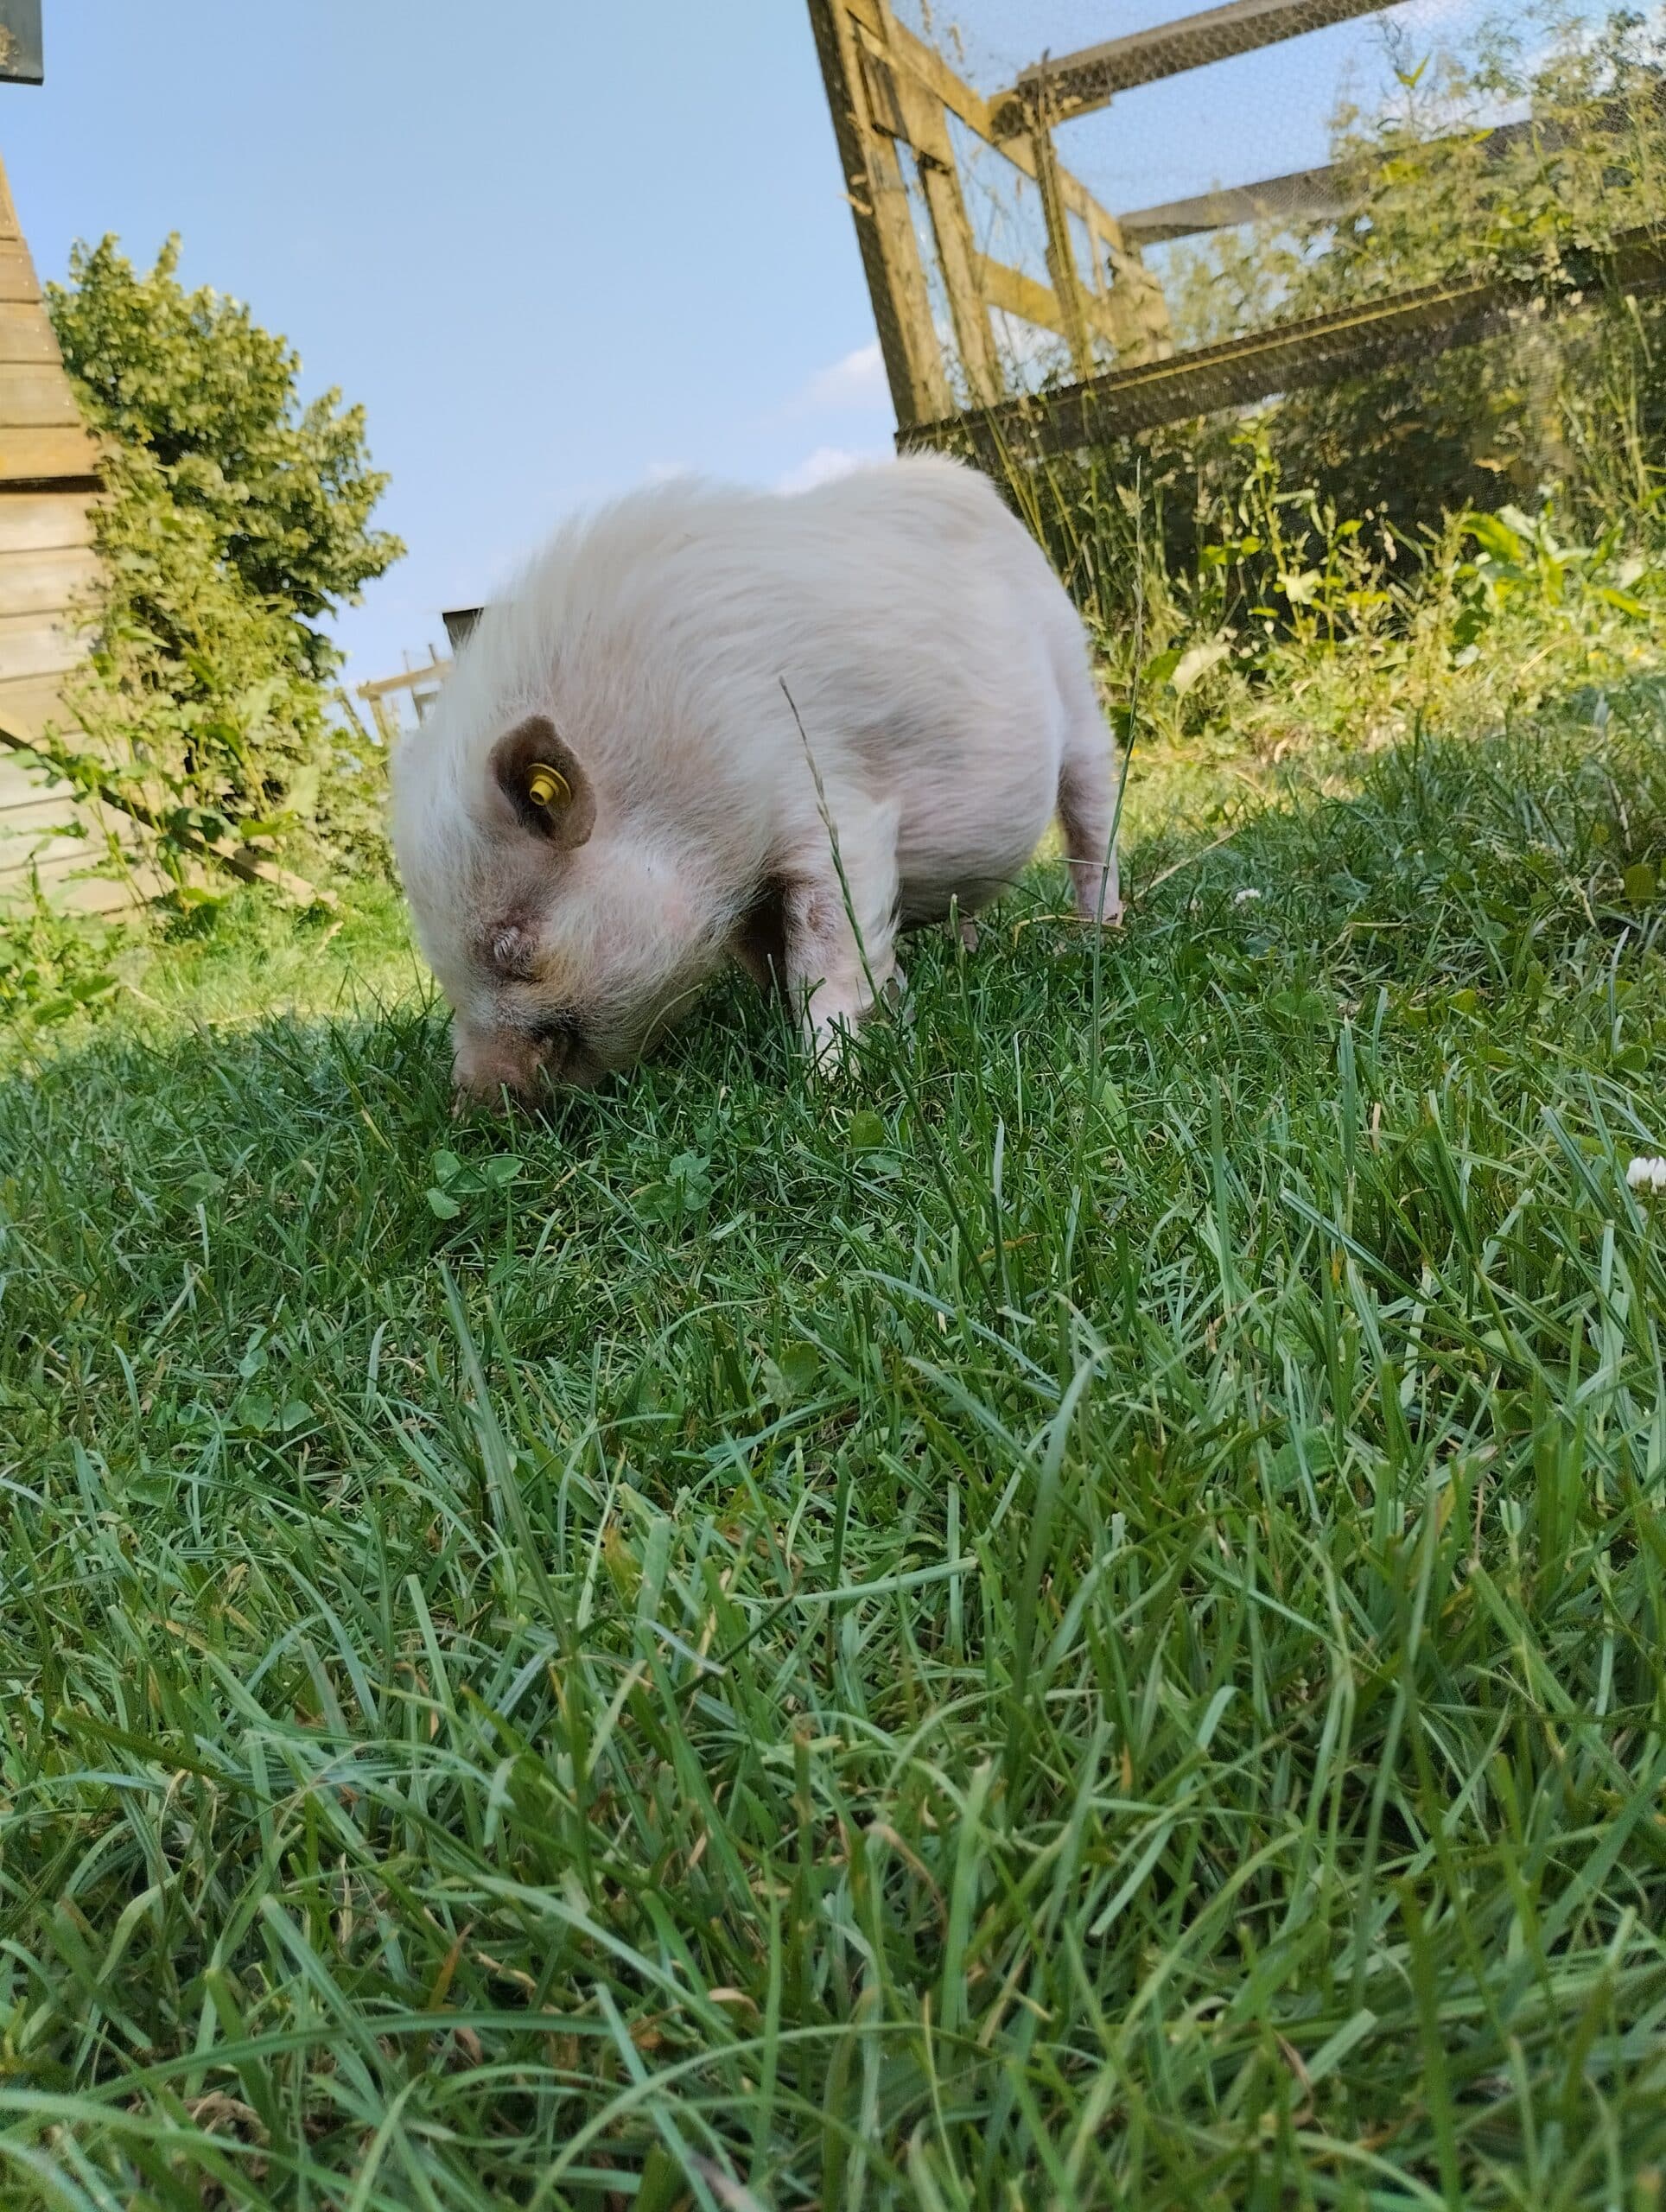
(384, 686)
(29, 705)
(1015, 293)
(1061, 253)
(47, 582)
(885, 229)
(925, 63)
(888, 90)
(30, 815)
(1321, 350)
(1304, 196)
(36, 395)
(38, 645)
(96, 894)
(927, 132)
(25, 333)
(36, 837)
(1326, 195)
(1134, 316)
(1077, 83)
(17, 278)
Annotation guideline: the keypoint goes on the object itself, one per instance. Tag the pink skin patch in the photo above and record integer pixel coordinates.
(483, 1067)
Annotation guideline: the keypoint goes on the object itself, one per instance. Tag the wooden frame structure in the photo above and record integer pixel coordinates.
(894, 101)
(893, 98)
(1075, 84)
(1288, 357)
(420, 684)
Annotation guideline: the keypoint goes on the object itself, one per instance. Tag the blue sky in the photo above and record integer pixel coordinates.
(555, 250)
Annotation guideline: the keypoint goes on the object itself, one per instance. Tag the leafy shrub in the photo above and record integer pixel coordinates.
(51, 967)
(235, 519)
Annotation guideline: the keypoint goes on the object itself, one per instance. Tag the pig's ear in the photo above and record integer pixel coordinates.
(540, 777)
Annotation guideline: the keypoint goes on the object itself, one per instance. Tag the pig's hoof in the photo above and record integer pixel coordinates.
(967, 933)
(832, 1045)
(899, 1001)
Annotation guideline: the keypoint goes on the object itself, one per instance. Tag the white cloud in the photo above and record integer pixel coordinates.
(666, 471)
(825, 463)
(856, 383)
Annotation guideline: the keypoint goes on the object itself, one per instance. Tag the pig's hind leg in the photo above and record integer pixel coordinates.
(1087, 809)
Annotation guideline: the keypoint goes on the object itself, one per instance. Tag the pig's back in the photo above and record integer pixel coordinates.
(960, 659)
(925, 642)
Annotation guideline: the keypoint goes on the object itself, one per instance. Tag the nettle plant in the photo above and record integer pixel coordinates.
(1300, 509)
(1519, 562)
(1437, 195)
(52, 967)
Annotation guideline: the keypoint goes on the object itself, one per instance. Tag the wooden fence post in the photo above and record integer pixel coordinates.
(1061, 254)
(885, 229)
(958, 256)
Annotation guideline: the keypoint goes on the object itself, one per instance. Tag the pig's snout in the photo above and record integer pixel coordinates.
(524, 1063)
(484, 1067)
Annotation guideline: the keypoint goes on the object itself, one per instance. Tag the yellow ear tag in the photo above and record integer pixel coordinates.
(547, 786)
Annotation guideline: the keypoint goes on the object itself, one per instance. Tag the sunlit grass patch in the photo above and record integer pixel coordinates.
(1079, 1621)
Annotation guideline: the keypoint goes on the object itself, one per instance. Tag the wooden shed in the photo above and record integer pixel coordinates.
(47, 485)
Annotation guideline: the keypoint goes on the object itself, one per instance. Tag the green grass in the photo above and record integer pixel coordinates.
(1081, 1622)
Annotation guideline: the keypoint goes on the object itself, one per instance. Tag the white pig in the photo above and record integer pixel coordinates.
(614, 794)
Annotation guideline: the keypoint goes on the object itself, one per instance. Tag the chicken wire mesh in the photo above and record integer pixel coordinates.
(1083, 219)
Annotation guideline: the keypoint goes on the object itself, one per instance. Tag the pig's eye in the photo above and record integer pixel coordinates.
(556, 1029)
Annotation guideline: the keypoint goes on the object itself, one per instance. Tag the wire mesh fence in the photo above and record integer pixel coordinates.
(1432, 234)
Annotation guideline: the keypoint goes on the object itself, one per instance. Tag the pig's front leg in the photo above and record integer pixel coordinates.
(841, 935)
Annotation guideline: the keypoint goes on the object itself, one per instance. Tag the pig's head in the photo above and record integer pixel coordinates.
(564, 930)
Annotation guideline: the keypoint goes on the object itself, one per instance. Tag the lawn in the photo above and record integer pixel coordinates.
(1080, 1621)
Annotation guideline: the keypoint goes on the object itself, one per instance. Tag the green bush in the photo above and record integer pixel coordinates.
(53, 967)
(1573, 398)
(236, 518)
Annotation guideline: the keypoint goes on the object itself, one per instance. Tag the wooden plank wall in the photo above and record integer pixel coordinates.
(47, 484)
(48, 835)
